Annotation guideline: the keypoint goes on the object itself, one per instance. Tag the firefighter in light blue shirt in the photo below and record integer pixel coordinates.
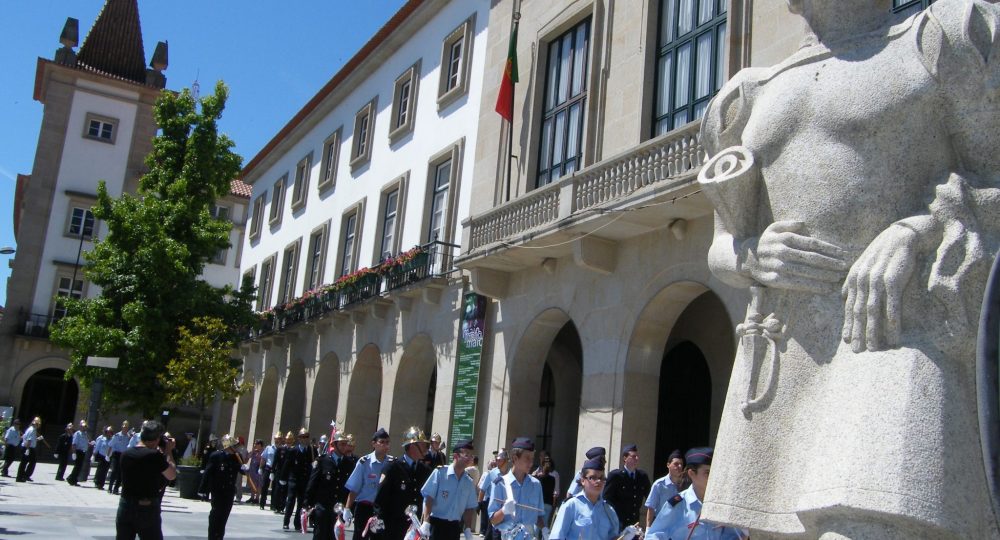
(450, 499)
(576, 487)
(666, 488)
(680, 519)
(81, 443)
(516, 506)
(363, 484)
(102, 456)
(587, 516)
(119, 444)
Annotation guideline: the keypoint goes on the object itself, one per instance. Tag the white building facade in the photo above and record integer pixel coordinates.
(375, 168)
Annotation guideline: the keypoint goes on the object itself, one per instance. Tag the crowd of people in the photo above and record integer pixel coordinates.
(323, 486)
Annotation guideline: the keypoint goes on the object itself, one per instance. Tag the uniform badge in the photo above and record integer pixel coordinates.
(402, 486)
(444, 495)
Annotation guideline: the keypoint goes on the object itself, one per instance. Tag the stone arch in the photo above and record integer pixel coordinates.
(410, 392)
(682, 311)
(56, 362)
(364, 394)
(267, 401)
(325, 394)
(550, 340)
(293, 398)
(244, 410)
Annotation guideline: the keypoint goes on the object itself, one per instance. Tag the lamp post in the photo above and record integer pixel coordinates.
(7, 250)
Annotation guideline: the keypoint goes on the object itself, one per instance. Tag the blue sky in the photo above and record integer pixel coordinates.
(273, 55)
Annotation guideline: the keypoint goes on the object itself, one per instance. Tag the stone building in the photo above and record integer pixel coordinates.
(606, 325)
(354, 225)
(97, 124)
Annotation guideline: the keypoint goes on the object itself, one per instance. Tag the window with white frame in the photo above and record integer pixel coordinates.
(278, 201)
(456, 54)
(257, 217)
(266, 283)
(391, 220)
(66, 287)
(565, 100)
(220, 212)
(219, 257)
(81, 221)
(404, 103)
(328, 166)
(100, 128)
(442, 186)
(317, 256)
(690, 60)
(349, 240)
(249, 278)
(300, 189)
(364, 125)
(289, 271)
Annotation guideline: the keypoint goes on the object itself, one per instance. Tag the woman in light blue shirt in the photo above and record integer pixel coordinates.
(587, 516)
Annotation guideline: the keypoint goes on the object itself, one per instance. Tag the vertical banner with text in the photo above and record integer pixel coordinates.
(470, 352)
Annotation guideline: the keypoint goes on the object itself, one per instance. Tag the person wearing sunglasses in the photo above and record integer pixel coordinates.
(587, 516)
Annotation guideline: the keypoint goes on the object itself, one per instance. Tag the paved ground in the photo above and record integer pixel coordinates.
(46, 509)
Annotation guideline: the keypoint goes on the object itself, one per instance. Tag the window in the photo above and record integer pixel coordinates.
(300, 190)
(364, 124)
(100, 128)
(220, 212)
(404, 103)
(289, 270)
(690, 60)
(351, 225)
(258, 215)
(64, 290)
(249, 277)
(442, 184)
(219, 257)
(81, 220)
(266, 283)
(391, 208)
(909, 7)
(278, 201)
(331, 155)
(565, 99)
(456, 54)
(316, 256)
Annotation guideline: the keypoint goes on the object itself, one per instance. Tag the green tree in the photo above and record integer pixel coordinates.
(203, 367)
(150, 261)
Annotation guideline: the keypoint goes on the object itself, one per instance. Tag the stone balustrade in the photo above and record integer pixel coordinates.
(673, 157)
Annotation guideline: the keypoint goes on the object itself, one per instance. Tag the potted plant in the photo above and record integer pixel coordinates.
(188, 477)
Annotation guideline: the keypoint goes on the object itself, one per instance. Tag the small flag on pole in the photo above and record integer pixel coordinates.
(505, 98)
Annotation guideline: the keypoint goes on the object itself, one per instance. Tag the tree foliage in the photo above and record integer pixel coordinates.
(149, 264)
(203, 366)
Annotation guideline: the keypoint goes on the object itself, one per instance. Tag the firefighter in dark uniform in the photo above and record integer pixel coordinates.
(627, 489)
(219, 480)
(296, 470)
(400, 485)
(280, 485)
(326, 487)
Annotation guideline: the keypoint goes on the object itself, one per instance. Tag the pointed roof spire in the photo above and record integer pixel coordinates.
(114, 44)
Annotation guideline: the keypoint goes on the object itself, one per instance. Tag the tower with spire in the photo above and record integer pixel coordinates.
(97, 125)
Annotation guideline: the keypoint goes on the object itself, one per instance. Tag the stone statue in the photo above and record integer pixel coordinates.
(856, 194)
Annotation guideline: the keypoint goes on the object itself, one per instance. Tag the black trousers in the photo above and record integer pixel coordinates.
(115, 479)
(74, 475)
(395, 528)
(102, 472)
(265, 484)
(278, 492)
(27, 466)
(293, 503)
(138, 518)
(10, 452)
(63, 460)
(363, 511)
(442, 529)
(323, 518)
(222, 505)
(484, 519)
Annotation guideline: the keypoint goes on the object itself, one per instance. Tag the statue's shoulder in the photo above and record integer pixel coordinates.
(729, 110)
(954, 36)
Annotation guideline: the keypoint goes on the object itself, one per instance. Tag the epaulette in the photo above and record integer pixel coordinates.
(442, 467)
(675, 500)
(498, 479)
(390, 458)
(363, 459)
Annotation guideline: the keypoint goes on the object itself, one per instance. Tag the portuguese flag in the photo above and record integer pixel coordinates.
(505, 98)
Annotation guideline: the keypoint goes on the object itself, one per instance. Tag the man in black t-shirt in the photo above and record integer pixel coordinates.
(146, 469)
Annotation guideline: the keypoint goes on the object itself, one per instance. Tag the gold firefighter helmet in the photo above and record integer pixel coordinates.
(341, 436)
(413, 435)
(228, 442)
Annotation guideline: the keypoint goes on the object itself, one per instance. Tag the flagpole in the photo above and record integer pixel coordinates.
(514, 16)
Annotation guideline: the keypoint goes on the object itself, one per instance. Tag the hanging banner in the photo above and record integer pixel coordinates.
(470, 353)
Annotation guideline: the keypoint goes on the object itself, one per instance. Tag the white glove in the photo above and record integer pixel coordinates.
(271, 477)
(468, 533)
(630, 532)
(509, 507)
(282, 482)
(545, 533)
(245, 468)
(57, 456)
(425, 529)
(348, 516)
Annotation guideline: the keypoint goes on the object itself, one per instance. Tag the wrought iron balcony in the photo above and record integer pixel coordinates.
(633, 193)
(397, 277)
(34, 325)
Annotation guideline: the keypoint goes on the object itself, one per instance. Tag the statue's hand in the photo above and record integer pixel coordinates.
(784, 258)
(874, 289)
